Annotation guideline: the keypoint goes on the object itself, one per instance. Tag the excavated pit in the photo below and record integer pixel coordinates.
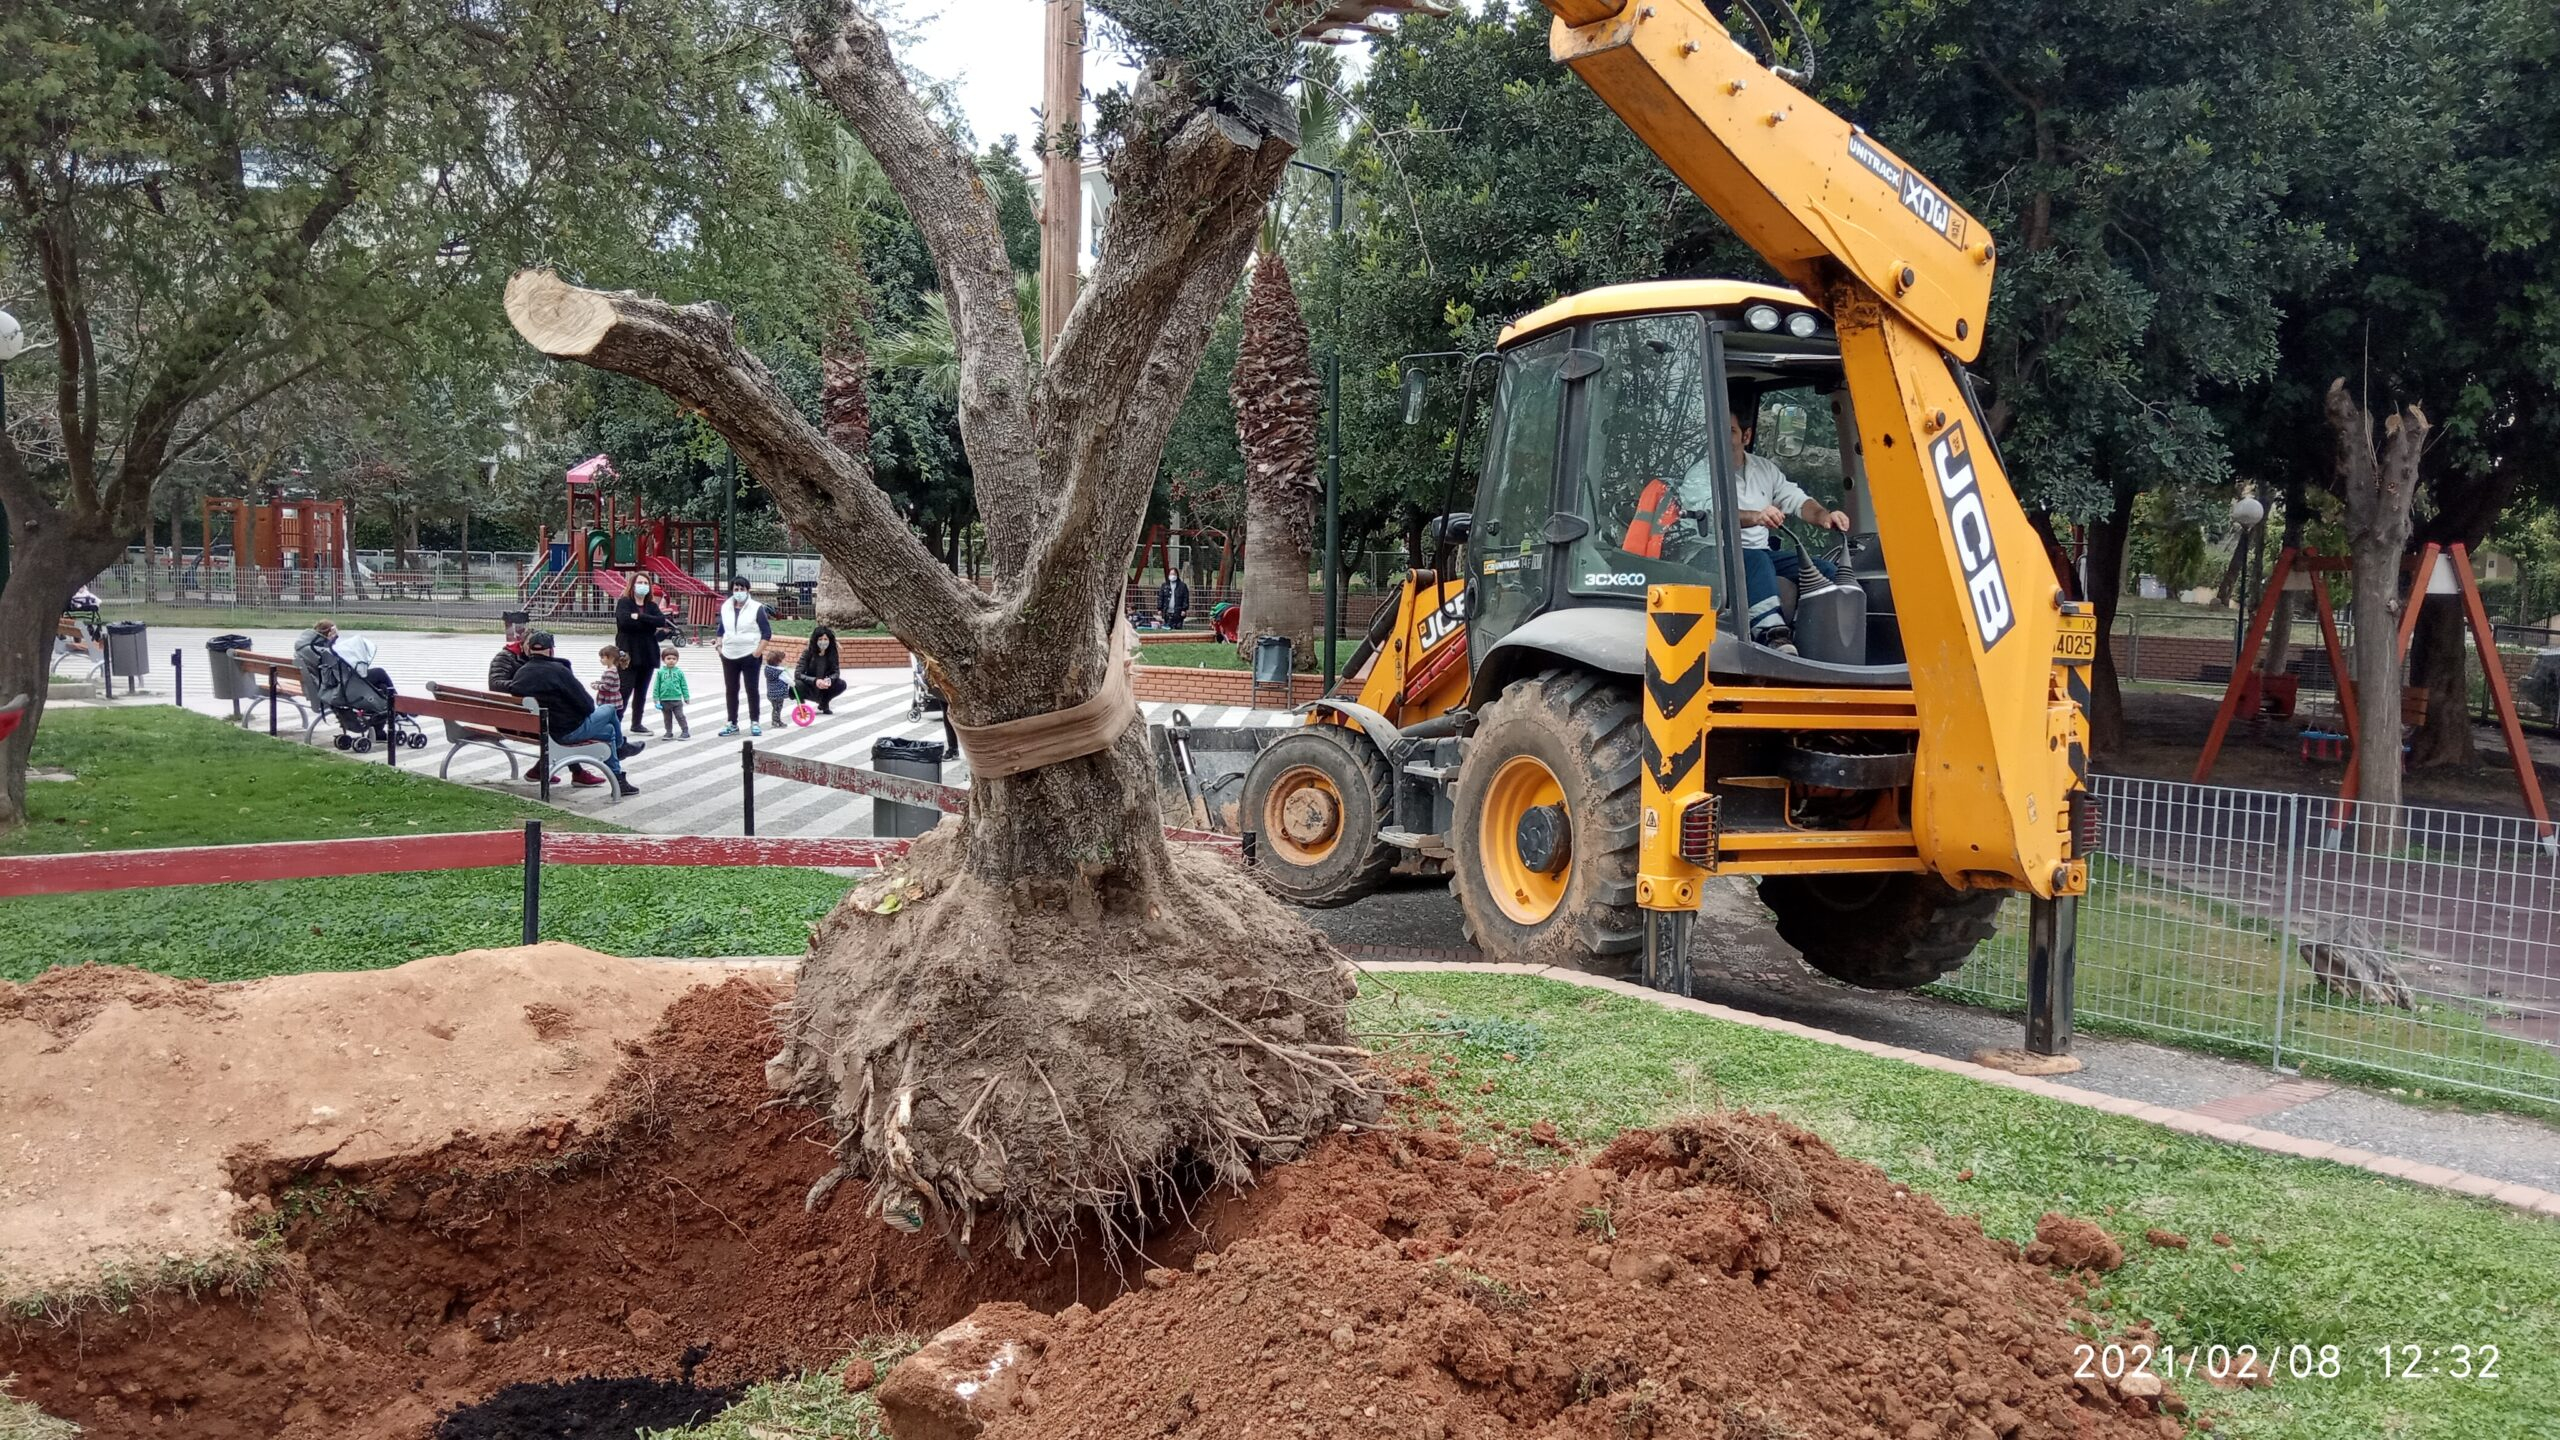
(1729, 1276)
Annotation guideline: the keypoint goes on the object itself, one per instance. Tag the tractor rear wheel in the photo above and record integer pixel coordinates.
(1545, 824)
(1317, 798)
(1880, 932)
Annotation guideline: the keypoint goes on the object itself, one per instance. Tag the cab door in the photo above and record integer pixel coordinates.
(1508, 556)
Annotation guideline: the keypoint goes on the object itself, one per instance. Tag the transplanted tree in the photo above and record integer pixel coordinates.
(1061, 1012)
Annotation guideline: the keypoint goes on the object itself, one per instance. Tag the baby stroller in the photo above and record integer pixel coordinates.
(357, 694)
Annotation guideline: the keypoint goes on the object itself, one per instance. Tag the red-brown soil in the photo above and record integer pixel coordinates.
(1729, 1277)
(1401, 1285)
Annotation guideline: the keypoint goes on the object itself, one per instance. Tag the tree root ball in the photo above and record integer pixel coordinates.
(1014, 1062)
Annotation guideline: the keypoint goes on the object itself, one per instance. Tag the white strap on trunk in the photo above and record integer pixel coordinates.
(1010, 747)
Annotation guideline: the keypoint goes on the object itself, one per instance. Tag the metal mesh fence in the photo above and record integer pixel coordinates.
(2408, 945)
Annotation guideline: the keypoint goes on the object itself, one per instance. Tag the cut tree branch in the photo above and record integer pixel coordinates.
(691, 352)
(847, 55)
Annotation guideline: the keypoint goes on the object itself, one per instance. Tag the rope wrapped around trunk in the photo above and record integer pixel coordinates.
(1010, 747)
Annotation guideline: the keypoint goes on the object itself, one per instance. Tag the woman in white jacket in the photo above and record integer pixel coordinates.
(744, 627)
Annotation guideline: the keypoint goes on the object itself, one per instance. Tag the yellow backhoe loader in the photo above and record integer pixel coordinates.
(1631, 683)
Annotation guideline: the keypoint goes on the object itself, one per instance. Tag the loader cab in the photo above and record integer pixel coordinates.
(1610, 465)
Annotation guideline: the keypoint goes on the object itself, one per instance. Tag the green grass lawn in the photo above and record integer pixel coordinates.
(151, 778)
(2322, 1255)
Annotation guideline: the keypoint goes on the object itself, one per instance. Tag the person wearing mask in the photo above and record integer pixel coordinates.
(819, 677)
(744, 627)
(1173, 599)
(640, 628)
(569, 714)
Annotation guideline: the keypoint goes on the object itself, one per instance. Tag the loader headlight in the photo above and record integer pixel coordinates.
(1761, 317)
(1802, 324)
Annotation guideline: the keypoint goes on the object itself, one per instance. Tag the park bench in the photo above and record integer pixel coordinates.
(281, 685)
(490, 718)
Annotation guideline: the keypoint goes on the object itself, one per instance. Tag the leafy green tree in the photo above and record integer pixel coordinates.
(214, 202)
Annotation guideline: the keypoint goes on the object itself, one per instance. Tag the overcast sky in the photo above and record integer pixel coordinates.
(990, 50)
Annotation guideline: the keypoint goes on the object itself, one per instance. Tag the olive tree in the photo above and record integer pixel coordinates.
(1061, 1012)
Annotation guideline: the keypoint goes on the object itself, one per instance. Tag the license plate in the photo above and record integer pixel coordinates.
(2078, 642)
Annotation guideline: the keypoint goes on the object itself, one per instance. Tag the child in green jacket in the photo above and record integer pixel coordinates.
(670, 691)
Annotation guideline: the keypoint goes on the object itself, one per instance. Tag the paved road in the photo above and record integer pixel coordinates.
(687, 787)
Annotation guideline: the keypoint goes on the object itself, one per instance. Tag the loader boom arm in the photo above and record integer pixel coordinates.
(1906, 277)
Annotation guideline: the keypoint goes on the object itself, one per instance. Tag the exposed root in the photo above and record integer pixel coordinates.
(1168, 1040)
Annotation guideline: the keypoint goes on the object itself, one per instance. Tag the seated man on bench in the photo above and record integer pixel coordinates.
(568, 711)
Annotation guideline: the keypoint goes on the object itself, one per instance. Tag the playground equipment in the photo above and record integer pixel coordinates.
(2437, 570)
(301, 540)
(607, 540)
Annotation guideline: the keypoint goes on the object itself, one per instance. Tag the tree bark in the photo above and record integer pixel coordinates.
(2107, 539)
(1053, 932)
(2378, 487)
(1277, 403)
(51, 558)
(2440, 661)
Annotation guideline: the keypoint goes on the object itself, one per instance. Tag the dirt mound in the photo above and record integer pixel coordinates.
(134, 1101)
(665, 1219)
(65, 999)
(1403, 1286)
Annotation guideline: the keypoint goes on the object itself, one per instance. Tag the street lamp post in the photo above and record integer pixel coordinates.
(2250, 514)
(1332, 432)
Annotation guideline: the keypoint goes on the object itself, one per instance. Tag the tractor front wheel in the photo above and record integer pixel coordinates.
(1545, 827)
(1317, 798)
(1880, 932)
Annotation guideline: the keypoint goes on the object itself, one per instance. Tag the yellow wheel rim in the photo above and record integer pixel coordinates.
(1528, 896)
(1302, 816)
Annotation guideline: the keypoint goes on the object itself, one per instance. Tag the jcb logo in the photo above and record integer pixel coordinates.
(1970, 525)
(1445, 621)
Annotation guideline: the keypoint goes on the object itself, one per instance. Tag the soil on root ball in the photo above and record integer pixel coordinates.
(408, 1290)
(1004, 1072)
(1727, 1276)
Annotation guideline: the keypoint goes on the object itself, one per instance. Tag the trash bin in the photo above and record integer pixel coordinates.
(912, 760)
(229, 681)
(129, 649)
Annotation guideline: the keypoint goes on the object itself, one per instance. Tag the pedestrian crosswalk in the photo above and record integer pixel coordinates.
(687, 786)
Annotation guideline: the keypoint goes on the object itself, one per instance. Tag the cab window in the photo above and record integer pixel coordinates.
(1508, 572)
(1646, 480)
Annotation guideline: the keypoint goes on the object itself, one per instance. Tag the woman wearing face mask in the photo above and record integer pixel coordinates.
(639, 628)
(820, 678)
(744, 627)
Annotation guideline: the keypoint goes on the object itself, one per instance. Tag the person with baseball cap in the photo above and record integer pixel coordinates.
(569, 713)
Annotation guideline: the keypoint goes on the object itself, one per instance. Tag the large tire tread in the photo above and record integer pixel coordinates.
(1594, 742)
(1360, 861)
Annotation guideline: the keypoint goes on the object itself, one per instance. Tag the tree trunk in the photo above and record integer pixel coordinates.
(43, 571)
(2278, 651)
(150, 556)
(1061, 1019)
(2378, 488)
(2107, 539)
(1277, 403)
(2441, 661)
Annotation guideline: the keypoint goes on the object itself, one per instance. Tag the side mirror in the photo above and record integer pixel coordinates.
(1413, 385)
(1791, 428)
(1449, 531)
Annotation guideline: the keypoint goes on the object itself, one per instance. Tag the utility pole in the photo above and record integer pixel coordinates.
(1061, 165)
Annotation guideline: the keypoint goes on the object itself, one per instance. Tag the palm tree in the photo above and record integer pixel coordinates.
(1277, 400)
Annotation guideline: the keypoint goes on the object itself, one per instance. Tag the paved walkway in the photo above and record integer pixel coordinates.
(687, 787)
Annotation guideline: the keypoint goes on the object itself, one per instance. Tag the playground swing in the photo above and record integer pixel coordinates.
(2439, 570)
